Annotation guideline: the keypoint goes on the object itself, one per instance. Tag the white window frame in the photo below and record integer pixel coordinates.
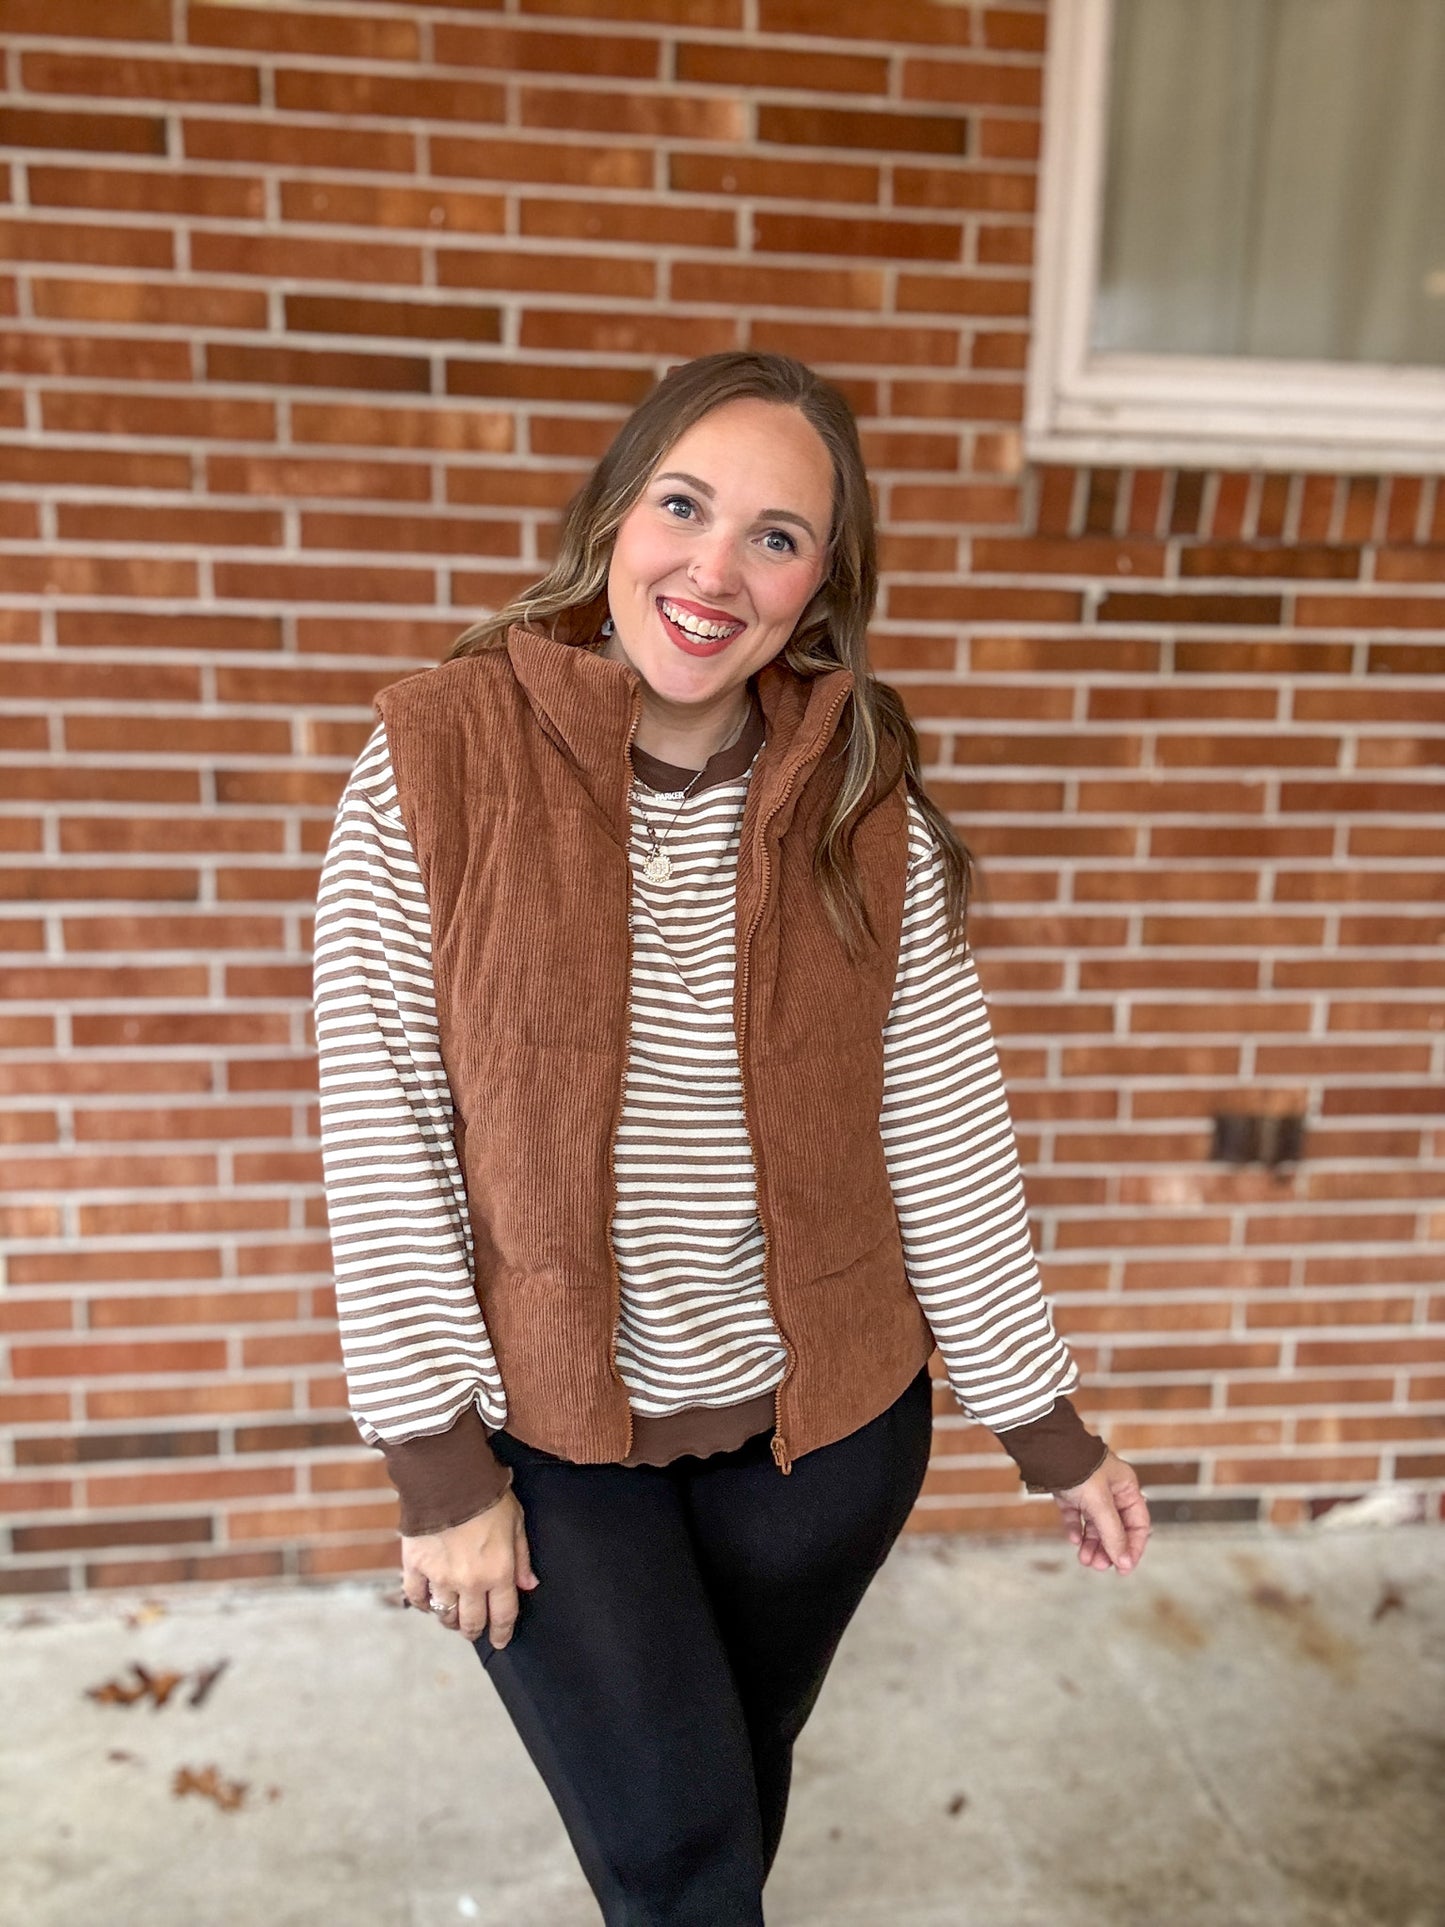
(1199, 411)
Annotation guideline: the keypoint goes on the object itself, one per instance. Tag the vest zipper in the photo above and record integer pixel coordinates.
(782, 1458)
(622, 1087)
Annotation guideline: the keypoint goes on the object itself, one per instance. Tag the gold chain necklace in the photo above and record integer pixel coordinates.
(657, 864)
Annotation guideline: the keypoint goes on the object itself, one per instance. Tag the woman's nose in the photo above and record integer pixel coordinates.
(713, 570)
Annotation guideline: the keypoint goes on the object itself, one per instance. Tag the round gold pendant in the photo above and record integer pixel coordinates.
(657, 868)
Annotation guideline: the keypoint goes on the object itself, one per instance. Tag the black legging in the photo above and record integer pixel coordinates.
(664, 1666)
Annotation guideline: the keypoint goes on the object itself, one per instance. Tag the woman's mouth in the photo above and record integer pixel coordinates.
(695, 634)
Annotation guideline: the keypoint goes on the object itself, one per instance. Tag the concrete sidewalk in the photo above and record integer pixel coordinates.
(1247, 1732)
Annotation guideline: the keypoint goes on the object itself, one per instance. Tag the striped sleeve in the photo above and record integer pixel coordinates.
(953, 1166)
(415, 1349)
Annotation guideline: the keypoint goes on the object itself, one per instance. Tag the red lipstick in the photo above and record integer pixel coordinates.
(698, 645)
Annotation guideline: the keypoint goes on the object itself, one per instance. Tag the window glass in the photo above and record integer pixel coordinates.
(1275, 181)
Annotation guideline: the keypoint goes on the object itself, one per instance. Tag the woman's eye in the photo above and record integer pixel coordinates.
(789, 545)
(670, 501)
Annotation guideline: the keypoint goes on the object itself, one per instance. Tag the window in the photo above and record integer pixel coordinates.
(1242, 234)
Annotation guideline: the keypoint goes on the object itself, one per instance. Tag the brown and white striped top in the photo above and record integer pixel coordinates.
(695, 1329)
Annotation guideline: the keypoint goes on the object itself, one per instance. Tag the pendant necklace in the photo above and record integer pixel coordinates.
(657, 864)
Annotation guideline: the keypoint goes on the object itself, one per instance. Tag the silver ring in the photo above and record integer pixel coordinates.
(439, 1605)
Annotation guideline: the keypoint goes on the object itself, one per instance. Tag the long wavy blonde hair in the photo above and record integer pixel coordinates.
(569, 603)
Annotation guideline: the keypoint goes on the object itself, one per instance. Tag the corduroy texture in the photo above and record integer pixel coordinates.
(531, 945)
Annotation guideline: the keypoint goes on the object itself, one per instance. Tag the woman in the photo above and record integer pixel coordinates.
(664, 1137)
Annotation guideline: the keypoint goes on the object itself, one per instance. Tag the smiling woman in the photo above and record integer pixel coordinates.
(713, 566)
(762, 418)
(665, 1140)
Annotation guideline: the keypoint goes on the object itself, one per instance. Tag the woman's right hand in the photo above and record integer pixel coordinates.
(474, 1570)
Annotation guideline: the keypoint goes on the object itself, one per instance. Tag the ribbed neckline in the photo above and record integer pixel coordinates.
(725, 766)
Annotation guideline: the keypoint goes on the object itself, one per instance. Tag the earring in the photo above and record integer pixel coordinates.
(607, 626)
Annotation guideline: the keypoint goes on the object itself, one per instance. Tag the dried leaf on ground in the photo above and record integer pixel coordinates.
(206, 1677)
(1391, 1600)
(115, 1692)
(207, 1781)
(158, 1688)
(145, 1685)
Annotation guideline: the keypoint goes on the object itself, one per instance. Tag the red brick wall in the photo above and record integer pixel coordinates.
(313, 315)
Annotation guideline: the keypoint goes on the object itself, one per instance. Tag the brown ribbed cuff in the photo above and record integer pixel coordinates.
(447, 1477)
(1056, 1451)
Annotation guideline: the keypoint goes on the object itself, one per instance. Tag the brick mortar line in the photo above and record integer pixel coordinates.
(541, 27)
(103, 161)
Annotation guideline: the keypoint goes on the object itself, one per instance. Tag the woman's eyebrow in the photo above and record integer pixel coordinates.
(693, 481)
(767, 515)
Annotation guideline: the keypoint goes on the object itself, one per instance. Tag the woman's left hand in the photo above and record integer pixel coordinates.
(1106, 1517)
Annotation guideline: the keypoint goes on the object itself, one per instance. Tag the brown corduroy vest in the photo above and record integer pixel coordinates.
(512, 770)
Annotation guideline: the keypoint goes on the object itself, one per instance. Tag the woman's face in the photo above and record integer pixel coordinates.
(722, 552)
